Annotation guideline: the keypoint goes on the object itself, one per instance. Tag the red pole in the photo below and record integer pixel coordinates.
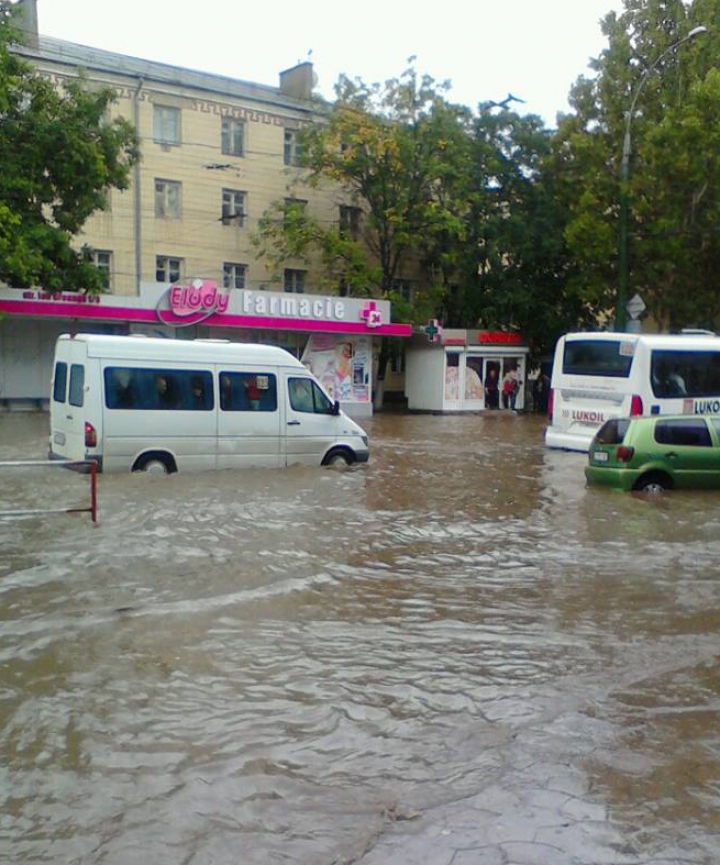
(93, 490)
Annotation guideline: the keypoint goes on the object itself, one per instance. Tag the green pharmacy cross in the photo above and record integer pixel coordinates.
(433, 330)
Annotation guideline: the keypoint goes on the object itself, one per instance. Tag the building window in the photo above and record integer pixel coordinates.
(233, 207)
(166, 124)
(232, 137)
(102, 259)
(294, 281)
(168, 269)
(234, 275)
(292, 151)
(167, 199)
(350, 222)
(294, 211)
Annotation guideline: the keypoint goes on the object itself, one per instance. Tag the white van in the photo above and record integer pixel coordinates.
(599, 376)
(135, 403)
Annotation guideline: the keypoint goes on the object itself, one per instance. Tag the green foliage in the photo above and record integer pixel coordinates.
(667, 98)
(60, 157)
(455, 198)
(287, 232)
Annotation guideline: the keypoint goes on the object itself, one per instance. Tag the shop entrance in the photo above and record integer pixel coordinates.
(492, 368)
(474, 382)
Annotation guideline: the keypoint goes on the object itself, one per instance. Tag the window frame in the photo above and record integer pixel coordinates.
(229, 145)
(228, 207)
(294, 280)
(168, 198)
(163, 264)
(349, 221)
(292, 148)
(161, 116)
(231, 271)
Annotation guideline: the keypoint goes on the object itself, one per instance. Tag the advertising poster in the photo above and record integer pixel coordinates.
(342, 365)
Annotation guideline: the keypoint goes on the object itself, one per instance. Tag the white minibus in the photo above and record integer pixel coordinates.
(598, 376)
(135, 403)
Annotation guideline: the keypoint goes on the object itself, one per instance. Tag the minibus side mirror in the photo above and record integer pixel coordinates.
(336, 407)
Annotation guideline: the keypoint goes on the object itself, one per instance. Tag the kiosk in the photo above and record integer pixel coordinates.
(463, 370)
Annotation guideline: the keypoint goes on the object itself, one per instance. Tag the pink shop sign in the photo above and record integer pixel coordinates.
(191, 303)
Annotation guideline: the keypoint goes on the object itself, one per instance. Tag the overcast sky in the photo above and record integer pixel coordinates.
(534, 49)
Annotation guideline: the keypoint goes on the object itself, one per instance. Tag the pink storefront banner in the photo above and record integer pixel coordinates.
(91, 310)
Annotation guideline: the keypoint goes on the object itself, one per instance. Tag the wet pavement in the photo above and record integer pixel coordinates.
(455, 655)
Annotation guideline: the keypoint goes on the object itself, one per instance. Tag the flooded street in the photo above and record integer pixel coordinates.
(454, 655)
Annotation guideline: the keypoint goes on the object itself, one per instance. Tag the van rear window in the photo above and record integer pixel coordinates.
(76, 395)
(606, 358)
(60, 382)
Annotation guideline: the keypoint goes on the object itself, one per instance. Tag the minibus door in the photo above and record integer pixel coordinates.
(249, 420)
(69, 417)
(310, 422)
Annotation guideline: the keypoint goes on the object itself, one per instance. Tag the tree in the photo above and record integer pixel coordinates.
(512, 266)
(60, 156)
(386, 148)
(674, 182)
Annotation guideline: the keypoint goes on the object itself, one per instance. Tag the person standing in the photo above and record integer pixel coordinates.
(492, 393)
(510, 388)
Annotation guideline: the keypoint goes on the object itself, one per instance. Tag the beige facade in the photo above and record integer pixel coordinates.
(216, 153)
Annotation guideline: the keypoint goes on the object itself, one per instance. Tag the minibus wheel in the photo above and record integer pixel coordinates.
(338, 457)
(155, 464)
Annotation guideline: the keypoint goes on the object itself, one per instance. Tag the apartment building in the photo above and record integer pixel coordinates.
(216, 152)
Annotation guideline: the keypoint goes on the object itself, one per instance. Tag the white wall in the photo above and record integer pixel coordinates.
(425, 378)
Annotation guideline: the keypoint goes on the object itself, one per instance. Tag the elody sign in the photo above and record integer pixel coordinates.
(200, 299)
(193, 303)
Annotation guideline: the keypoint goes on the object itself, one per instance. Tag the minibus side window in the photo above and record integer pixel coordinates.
(306, 396)
(60, 382)
(77, 385)
(248, 391)
(676, 373)
(158, 389)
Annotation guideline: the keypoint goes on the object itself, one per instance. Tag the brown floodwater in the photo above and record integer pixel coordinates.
(284, 666)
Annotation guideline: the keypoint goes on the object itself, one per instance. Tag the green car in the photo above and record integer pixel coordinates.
(661, 452)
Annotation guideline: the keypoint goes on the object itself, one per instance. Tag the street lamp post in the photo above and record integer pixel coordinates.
(621, 312)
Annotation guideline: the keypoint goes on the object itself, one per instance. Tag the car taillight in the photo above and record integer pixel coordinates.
(624, 454)
(551, 400)
(90, 435)
(636, 406)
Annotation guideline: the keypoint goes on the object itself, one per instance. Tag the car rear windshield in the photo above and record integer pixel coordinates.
(612, 432)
